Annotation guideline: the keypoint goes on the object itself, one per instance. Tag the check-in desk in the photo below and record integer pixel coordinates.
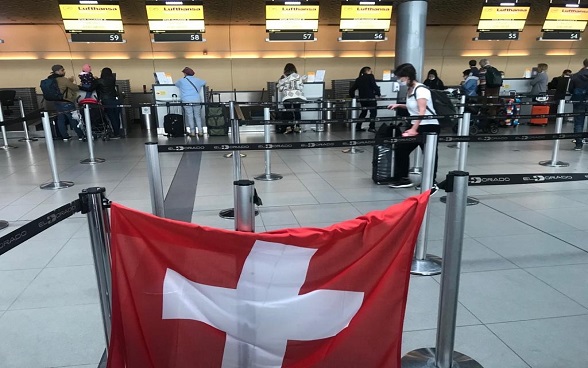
(314, 93)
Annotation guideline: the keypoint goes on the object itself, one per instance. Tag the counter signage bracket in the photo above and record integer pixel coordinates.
(497, 36)
(561, 36)
(97, 37)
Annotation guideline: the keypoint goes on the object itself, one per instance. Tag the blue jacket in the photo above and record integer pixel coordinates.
(190, 91)
(470, 86)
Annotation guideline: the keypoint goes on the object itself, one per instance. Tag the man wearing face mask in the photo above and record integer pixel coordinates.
(433, 81)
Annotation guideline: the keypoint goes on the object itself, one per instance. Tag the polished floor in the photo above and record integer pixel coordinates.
(524, 285)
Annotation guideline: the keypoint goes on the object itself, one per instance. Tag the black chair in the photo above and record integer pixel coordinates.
(7, 97)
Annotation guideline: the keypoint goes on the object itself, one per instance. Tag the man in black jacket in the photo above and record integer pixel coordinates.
(368, 89)
(579, 90)
(559, 86)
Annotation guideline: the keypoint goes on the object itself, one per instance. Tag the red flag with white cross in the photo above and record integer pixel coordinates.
(191, 296)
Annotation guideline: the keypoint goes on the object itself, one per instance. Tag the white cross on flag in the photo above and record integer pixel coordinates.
(191, 296)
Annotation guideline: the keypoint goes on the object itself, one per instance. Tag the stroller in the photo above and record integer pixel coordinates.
(101, 127)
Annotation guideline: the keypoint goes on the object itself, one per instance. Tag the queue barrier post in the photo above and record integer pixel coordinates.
(268, 175)
(443, 355)
(56, 183)
(234, 138)
(6, 146)
(99, 226)
(147, 121)
(25, 127)
(460, 122)
(426, 264)
(155, 181)
(353, 150)
(90, 139)
(558, 126)
(244, 209)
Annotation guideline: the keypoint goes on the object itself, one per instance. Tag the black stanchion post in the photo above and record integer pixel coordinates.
(558, 126)
(87, 119)
(443, 355)
(267, 175)
(426, 264)
(5, 146)
(235, 139)
(56, 183)
(27, 138)
(99, 226)
(155, 181)
(244, 209)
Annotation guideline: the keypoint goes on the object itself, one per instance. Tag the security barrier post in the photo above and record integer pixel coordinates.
(155, 181)
(56, 183)
(244, 209)
(558, 126)
(267, 175)
(444, 356)
(460, 122)
(6, 146)
(234, 132)
(426, 264)
(87, 119)
(99, 225)
(354, 114)
(27, 138)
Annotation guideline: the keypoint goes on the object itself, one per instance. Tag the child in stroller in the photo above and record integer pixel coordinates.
(101, 127)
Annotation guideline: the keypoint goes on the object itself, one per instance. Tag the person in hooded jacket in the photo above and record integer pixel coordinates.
(368, 89)
(107, 94)
(433, 81)
(579, 90)
(469, 85)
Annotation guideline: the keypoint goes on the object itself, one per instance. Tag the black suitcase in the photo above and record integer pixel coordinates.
(216, 121)
(382, 164)
(173, 124)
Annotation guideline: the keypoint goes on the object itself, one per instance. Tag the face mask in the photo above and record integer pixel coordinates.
(402, 82)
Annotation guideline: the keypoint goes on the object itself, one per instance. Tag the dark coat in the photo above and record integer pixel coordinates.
(106, 88)
(366, 84)
(434, 84)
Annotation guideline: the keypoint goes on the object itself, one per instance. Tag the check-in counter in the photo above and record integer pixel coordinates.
(314, 93)
(521, 86)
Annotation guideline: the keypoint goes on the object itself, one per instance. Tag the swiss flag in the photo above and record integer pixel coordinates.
(191, 296)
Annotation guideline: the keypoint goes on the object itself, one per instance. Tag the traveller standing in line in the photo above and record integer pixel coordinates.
(65, 107)
(433, 81)
(291, 85)
(539, 83)
(473, 69)
(489, 86)
(368, 89)
(87, 80)
(469, 86)
(560, 86)
(579, 90)
(107, 94)
(418, 103)
(190, 87)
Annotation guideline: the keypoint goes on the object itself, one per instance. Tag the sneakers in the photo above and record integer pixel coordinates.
(191, 134)
(401, 183)
(67, 139)
(115, 137)
(578, 148)
(200, 134)
(296, 129)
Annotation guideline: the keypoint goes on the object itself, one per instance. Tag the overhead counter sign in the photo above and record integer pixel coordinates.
(298, 18)
(92, 21)
(365, 20)
(502, 22)
(178, 16)
(565, 23)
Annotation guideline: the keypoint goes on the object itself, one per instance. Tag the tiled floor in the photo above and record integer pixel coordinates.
(524, 285)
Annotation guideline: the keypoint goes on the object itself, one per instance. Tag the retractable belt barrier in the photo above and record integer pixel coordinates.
(510, 179)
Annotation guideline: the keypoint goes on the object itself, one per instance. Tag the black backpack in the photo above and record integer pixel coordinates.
(493, 77)
(50, 89)
(442, 105)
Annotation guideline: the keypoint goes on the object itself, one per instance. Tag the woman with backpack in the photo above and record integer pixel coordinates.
(418, 103)
(107, 94)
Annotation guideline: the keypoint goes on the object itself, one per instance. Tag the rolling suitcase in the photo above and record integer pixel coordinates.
(216, 121)
(539, 110)
(383, 158)
(173, 123)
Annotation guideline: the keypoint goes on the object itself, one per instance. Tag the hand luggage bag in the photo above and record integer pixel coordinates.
(382, 160)
(173, 123)
(216, 120)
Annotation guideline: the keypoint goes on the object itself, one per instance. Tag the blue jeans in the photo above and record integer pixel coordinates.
(113, 114)
(193, 114)
(581, 108)
(64, 109)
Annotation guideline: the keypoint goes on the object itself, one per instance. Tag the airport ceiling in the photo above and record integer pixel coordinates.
(239, 12)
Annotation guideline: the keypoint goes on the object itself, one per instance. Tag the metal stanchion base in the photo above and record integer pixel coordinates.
(351, 150)
(8, 147)
(425, 358)
(3, 224)
(429, 266)
(554, 164)
(96, 160)
(270, 177)
(229, 213)
(32, 139)
(230, 154)
(471, 201)
(57, 185)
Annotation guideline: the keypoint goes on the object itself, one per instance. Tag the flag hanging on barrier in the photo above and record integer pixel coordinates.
(191, 296)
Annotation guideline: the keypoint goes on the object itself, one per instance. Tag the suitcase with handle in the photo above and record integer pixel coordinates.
(173, 123)
(216, 121)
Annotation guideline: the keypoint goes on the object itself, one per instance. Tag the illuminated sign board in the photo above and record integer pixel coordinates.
(503, 18)
(101, 17)
(566, 19)
(181, 16)
(291, 16)
(359, 17)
